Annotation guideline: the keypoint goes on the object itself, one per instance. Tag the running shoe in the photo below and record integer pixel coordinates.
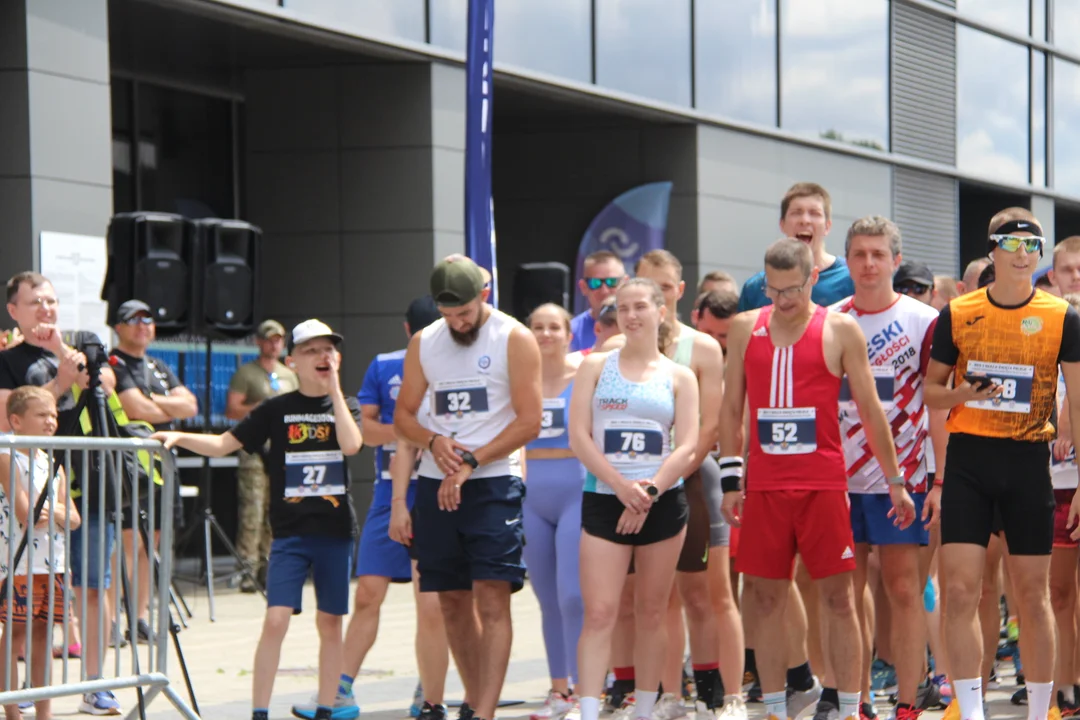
(432, 712)
(927, 695)
(626, 709)
(417, 701)
(867, 711)
(345, 708)
(754, 694)
(1068, 709)
(1020, 697)
(825, 710)
(734, 709)
(669, 707)
(799, 700)
(882, 677)
(944, 689)
(555, 707)
(102, 702)
(465, 712)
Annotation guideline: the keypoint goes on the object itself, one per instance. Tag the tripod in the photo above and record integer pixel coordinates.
(103, 425)
(210, 524)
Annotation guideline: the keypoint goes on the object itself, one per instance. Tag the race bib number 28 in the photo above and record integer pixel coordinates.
(1015, 382)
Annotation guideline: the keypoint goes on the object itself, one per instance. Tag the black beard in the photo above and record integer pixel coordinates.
(465, 339)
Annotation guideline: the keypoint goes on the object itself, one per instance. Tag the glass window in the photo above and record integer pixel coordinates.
(735, 63)
(1038, 118)
(1012, 14)
(395, 18)
(1038, 19)
(991, 106)
(1066, 126)
(643, 47)
(834, 74)
(122, 160)
(549, 36)
(1066, 25)
(185, 153)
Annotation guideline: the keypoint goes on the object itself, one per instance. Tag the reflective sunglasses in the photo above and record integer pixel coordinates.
(140, 320)
(596, 283)
(1012, 243)
(911, 288)
(275, 384)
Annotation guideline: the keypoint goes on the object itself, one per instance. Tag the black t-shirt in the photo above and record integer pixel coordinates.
(309, 478)
(145, 374)
(27, 364)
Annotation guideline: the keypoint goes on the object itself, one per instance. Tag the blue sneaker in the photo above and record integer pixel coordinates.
(345, 708)
(102, 702)
(882, 677)
(417, 701)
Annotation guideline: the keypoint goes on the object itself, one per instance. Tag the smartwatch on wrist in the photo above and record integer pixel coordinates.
(469, 459)
(897, 481)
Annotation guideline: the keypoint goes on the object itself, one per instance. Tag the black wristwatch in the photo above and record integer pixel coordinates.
(469, 459)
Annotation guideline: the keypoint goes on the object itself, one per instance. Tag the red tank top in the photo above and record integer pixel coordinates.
(794, 412)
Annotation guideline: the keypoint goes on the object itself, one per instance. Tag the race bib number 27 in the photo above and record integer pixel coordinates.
(314, 474)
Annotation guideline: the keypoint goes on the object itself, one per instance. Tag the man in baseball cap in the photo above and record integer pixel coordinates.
(264, 377)
(456, 281)
(915, 279)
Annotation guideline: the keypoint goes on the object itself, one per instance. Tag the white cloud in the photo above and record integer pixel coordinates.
(976, 154)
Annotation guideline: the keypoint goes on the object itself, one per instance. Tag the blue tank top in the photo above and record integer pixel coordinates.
(632, 422)
(555, 427)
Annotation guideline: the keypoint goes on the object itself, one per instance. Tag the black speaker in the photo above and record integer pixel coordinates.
(152, 258)
(539, 283)
(227, 289)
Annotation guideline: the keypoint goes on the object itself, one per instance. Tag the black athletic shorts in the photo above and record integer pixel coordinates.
(600, 516)
(984, 476)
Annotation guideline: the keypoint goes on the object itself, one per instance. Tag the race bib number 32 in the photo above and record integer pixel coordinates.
(1015, 382)
(314, 474)
(459, 399)
(633, 441)
(787, 431)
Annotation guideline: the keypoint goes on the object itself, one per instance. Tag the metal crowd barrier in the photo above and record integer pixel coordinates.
(120, 485)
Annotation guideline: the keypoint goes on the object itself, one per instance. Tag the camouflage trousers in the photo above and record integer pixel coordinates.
(253, 495)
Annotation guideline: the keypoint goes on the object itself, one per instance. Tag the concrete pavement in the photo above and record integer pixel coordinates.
(219, 658)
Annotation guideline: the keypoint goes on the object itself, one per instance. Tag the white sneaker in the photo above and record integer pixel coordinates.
(802, 703)
(555, 707)
(702, 712)
(626, 710)
(669, 707)
(734, 709)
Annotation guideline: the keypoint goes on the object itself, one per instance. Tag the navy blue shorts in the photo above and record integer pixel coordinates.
(97, 529)
(871, 524)
(379, 555)
(481, 540)
(327, 558)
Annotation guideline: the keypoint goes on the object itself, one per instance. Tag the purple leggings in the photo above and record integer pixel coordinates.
(552, 524)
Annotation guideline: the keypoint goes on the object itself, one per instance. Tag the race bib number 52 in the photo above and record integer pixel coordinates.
(314, 474)
(787, 431)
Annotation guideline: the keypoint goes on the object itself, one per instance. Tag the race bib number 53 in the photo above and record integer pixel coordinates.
(787, 431)
(313, 474)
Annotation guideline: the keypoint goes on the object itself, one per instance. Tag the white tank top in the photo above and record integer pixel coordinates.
(40, 539)
(470, 390)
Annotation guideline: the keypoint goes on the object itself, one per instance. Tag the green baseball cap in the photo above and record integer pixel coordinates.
(455, 282)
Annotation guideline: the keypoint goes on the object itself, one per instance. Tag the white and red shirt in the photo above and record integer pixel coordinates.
(1062, 472)
(898, 342)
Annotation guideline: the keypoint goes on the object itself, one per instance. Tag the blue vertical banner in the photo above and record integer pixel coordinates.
(479, 90)
(630, 226)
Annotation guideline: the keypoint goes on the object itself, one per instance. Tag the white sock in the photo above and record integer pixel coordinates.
(849, 705)
(644, 702)
(590, 708)
(969, 696)
(1068, 693)
(1039, 695)
(776, 704)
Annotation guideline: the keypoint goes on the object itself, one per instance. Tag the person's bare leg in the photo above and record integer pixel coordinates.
(93, 634)
(729, 630)
(42, 653)
(268, 656)
(963, 564)
(330, 656)
(882, 611)
(364, 624)
(1063, 579)
(837, 601)
(864, 607)
(671, 671)
(432, 650)
(463, 637)
(496, 636)
(990, 607)
(804, 614)
(771, 598)
(904, 586)
(622, 638)
(655, 569)
(1030, 575)
(604, 564)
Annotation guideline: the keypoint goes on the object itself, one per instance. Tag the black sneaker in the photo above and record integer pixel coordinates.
(432, 712)
(465, 712)
(1020, 697)
(142, 632)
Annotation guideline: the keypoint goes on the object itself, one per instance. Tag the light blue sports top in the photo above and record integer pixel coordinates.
(631, 423)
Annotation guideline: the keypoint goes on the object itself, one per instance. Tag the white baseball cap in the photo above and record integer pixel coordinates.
(309, 330)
